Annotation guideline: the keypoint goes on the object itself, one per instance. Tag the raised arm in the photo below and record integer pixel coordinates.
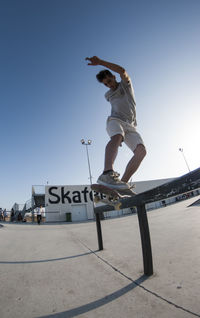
(113, 67)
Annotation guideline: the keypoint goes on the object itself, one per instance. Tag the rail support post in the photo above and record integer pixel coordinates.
(99, 233)
(145, 238)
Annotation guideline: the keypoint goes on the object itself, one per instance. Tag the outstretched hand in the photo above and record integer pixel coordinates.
(93, 60)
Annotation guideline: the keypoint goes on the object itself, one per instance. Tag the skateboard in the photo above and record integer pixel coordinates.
(110, 196)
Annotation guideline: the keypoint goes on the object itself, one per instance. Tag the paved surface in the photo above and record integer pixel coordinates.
(56, 271)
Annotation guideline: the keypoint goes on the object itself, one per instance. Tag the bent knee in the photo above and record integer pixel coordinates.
(140, 151)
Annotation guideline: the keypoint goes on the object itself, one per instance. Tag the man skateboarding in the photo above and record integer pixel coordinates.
(121, 124)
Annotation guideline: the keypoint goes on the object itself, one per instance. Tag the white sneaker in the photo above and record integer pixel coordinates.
(111, 180)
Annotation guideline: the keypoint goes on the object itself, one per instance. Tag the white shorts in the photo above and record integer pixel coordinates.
(131, 137)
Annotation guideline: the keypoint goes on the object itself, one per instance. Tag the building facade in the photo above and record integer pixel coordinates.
(76, 201)
(62, 200)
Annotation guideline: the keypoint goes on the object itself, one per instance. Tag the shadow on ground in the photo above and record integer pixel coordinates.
(46, 260)
(98, 303)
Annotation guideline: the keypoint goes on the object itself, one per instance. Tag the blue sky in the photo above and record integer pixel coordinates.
(50, 98)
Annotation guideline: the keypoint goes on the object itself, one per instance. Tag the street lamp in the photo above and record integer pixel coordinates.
(88, 143)
(181, 150)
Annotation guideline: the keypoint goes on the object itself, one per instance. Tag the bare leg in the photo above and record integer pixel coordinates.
(111, 151)
(134, 163)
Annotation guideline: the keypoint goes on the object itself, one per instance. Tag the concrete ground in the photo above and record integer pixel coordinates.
(55, 270)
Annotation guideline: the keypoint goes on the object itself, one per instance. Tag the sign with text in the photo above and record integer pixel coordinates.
(68, 194)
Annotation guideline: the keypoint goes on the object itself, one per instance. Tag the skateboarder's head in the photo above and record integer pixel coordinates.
(107, 78)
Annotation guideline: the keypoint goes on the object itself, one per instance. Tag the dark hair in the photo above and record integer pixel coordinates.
(102, 74)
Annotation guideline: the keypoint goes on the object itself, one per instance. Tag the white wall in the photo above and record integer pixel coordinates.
(142, 186)
(74, 199)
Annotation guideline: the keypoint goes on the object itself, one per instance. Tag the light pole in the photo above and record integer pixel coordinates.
(88, 143)
(181, 150)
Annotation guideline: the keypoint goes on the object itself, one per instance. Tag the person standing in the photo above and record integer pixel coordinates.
(39, 214)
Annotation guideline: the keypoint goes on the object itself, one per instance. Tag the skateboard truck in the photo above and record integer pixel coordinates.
(112, 196)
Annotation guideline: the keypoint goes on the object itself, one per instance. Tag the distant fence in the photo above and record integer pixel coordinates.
(172, 200)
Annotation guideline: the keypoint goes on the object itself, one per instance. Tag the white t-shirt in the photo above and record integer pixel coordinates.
(123, 102)
(39, 211)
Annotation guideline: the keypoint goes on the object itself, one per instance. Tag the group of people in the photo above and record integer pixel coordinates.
(13, 217)
(3, 215)
(18, 217)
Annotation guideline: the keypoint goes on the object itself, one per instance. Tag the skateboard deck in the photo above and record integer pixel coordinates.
(110, 196)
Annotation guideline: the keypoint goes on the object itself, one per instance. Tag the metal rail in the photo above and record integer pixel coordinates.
(176, 186)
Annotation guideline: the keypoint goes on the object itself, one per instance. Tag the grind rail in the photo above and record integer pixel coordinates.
(177, 186)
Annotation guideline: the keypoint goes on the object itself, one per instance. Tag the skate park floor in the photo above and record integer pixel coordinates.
(56, 270)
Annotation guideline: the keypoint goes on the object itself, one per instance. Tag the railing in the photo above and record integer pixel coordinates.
(177, 186)
(28, 205)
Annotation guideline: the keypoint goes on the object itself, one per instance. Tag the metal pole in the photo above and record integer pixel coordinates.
(89, 164)
(99, 232)
(90, 174)
(181, 150)
(145, 239)
(88, 159)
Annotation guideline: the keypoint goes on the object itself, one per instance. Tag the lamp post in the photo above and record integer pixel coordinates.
(181, 150)
(88, 143)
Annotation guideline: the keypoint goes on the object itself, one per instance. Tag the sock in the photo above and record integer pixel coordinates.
(107, 171)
